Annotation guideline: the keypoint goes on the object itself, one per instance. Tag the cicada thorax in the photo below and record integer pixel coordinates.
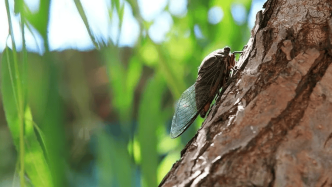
(213, 74)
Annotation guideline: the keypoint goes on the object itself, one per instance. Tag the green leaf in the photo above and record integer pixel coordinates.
(86, 22)
(122, 99)
(173, 80)
(34, 160)
(149, 54)
(52, 121)
(40, 20)
(133, 74)
(123, 82)
(149, 119)
(113, 162)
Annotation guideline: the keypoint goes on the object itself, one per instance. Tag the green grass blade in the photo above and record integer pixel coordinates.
(34, 161)
(52, 121)
(149, 119)
(113, 162)
(174, 82)
(86, 22)
(12, 68)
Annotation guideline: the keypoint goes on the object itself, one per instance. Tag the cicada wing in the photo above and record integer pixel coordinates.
(185, 112)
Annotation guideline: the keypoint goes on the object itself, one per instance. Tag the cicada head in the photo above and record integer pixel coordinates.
(226, 50)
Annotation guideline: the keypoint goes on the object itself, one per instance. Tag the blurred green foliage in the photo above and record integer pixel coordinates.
(73, 126)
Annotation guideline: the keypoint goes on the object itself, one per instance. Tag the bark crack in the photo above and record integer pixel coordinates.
(328, 138)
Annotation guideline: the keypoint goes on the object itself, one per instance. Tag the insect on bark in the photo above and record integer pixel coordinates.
(214, 71)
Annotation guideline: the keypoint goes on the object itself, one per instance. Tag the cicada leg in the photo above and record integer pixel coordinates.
(232, 61)
(205, 110)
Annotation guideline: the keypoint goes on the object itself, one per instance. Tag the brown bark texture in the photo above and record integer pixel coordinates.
(273, 124)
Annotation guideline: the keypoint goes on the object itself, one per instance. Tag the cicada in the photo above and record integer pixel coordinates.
(214, 71)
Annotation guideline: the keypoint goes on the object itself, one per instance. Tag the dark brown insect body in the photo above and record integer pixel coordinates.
(213, 73)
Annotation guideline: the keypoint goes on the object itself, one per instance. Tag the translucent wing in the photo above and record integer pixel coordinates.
(211, 75)
(193, 100)
(185, 112)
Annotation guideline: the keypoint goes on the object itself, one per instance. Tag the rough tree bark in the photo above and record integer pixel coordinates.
(273, 124)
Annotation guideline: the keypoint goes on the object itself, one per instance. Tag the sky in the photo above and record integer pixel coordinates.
(67, 30)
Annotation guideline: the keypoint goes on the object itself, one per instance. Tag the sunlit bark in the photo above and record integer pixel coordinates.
(273, 124)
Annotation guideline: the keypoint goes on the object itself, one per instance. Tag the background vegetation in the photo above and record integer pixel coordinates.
(102, 117)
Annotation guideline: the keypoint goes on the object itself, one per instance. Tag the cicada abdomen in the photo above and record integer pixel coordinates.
(213, 73)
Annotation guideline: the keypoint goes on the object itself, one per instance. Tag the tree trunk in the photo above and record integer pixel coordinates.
(273, 124)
